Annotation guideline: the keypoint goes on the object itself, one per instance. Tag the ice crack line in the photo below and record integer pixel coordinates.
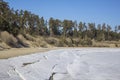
(28, 63)
(17, 73)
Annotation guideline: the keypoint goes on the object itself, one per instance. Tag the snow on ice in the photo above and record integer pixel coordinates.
(64, 64)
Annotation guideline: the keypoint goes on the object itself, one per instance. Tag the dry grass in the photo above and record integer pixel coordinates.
(22, 41)
(3, 46)
(52, 41)
(8, 38)
(106, 44)
(29, 37)
(21, 37)
(39, 42)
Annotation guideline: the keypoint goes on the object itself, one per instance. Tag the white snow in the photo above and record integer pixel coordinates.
(64, 64)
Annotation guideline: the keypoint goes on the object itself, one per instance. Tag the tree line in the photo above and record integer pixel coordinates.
(24, 22)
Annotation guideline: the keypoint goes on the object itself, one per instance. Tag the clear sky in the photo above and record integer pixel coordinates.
(98, 11)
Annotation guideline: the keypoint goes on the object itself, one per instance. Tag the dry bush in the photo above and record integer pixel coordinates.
(44, 44)
(29, 37)
(106, 44)
(87, 42)
(69, 42)
(118, 45)
(75, 42)
(60, 44)
(8, 39)
(65, 42)
(52, 41)
(39, 42)
(3, 45)
(99, 44)
(21, 37)
(22, 41)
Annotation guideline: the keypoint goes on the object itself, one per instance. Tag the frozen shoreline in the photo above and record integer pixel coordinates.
(64, 64)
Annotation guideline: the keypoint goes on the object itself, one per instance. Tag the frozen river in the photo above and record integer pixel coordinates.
(64, 64)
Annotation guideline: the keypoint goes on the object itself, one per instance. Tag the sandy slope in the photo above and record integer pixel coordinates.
(64, 64)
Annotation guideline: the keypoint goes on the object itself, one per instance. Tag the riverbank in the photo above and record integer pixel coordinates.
(13, 52)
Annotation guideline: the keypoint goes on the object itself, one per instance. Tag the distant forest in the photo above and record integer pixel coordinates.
(24, 22)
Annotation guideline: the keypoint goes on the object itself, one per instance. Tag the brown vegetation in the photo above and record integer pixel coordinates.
(9, 39)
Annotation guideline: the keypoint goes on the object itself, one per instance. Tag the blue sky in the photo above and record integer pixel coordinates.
(98, 11)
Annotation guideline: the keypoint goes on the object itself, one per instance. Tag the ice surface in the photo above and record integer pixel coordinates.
(64, 64)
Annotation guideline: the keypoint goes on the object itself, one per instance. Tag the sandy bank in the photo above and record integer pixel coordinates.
(21, 51)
